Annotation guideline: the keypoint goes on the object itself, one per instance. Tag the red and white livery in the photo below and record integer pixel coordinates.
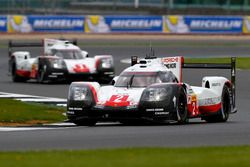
(152, 89)
(61, 60)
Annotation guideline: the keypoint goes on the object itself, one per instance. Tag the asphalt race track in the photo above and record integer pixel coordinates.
(197, 133)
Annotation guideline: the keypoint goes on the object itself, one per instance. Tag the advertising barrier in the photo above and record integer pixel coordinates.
(105, 24)
(246, 25)
(203, 24)
(173, 24)
(39, 23)
(3, 23)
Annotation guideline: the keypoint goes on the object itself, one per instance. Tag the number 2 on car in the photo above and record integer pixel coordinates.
(119, 98)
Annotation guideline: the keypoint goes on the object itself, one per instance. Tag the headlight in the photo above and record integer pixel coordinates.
(57, 63)
(156, 94)
(106, 63)
(79, 93)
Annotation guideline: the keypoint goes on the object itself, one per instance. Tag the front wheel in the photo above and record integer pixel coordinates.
(181, 107)
(41, 76)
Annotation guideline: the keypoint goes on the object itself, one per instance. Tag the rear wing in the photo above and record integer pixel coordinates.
(15, 44)
(231, 66)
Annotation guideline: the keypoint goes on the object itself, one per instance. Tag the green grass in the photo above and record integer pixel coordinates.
(12, 111)
(145, 157)
(241, 62)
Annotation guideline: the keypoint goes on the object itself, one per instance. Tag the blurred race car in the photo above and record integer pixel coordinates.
(61, 60)
(152, 89)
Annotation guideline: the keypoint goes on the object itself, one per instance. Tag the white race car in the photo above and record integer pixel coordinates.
(61, 60)
(152, 90)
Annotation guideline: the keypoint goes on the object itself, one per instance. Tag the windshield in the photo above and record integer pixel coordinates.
(137, 79)
(144, 79)
(68, 54)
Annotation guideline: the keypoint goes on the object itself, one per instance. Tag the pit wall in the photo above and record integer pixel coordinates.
(168, 24)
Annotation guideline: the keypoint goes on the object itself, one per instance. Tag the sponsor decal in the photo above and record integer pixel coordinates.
(246, 25)
(96, 24)
(209, 101)
(161, 113)
(154, 109)
(39, 23)
(123, 24)
(175, 24)
(57, 23)
(214, 24)
(202, 24)
(192, 105)
(3, 23)
(172, 65)
(170, 59)
(19, 24)
(216, 84)
(75, 108)
(70, 112)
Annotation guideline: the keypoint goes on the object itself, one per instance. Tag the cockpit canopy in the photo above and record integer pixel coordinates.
(144, 79)
(68, 53)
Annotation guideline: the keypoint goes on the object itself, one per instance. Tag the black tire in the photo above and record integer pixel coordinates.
(85, 122)
(15, 76)
(42, 74)
(223, 113)
(181, 106)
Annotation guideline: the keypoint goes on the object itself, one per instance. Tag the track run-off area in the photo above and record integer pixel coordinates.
(110, 135)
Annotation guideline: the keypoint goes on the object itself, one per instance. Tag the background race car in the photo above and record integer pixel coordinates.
(152, 90)
(61, 60)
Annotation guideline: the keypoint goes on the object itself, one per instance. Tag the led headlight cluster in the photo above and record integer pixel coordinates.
(156, 94)
(58, 63)
(80, 93)
(106, 63)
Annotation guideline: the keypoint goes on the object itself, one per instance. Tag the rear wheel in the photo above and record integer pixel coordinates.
(223, 114)
(85, 122)
(181, 107)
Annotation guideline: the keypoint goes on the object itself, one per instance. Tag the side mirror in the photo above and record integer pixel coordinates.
(114, 80)
(134, 60)
(85, 54)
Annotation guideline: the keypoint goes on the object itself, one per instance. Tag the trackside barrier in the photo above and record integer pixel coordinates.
(168, 24)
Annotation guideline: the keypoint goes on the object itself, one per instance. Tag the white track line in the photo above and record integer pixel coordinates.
(14, 129)
(36, 99)
(54, 126)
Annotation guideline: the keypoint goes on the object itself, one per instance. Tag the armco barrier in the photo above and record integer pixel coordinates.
(172, 24)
